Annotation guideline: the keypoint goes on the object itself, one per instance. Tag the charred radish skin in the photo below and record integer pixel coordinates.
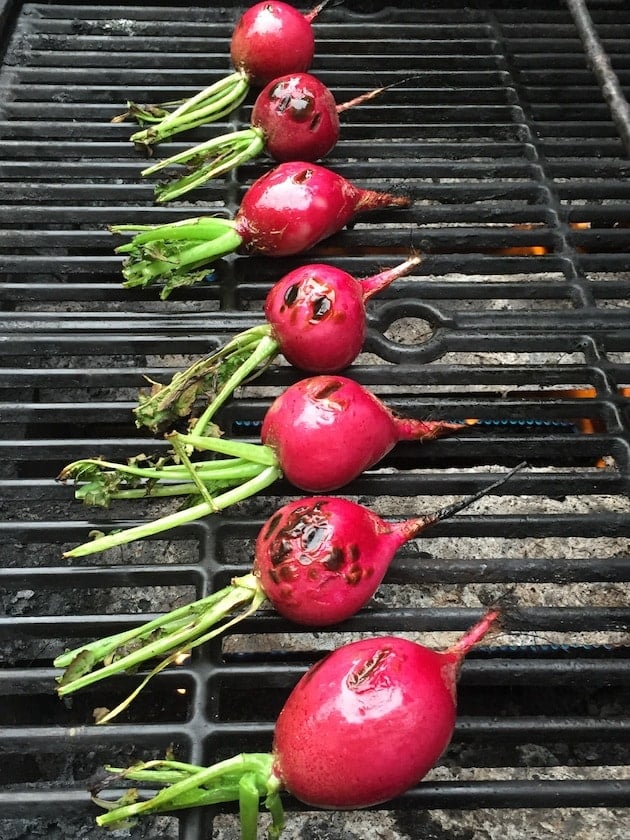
(317, 561)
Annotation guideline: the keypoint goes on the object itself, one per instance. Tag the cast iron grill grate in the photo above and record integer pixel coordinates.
(519, 312)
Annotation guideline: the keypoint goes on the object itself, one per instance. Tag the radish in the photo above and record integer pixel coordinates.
(362, 726)
(315, 317)
(295, 117)
(270, 39)
(320, 433)
(317, 561)
(286, 211)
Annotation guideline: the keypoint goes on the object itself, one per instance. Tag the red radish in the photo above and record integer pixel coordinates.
(286, 211)
(321, 433)
(295, 117)
(317, 560)
(270, 39)
(362, 726)
(326, 430)
(315, 316)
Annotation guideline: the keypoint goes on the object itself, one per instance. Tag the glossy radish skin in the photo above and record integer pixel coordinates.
(295, 205)
(298, 117)
(361, 727)
(272, 39)
(317, 314)
(369, 721)
(286, 211)
(295, 117)
(326, 430)
(319, 560)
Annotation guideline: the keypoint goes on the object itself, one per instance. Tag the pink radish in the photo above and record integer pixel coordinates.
(270, 39)
(326, 430)
(320, 433)
(362, 726)
(286, 211)
(317, 561)
(295, 117)
(315, 316)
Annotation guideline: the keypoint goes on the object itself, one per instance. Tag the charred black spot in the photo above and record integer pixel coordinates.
(290, 296)
(274, 576)
(304, 175)
(363, 672)
(302, 107)
(354, 574)
(278, 551)
(314, 124)
(272, 525)
(335, 560)
(328, 390)
(284, 101)
(321, 307)
(354, 551)
(286, 573)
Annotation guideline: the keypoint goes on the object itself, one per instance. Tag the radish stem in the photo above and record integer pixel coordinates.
(245, 777)
(265, 477)
(208, 105)
(209, 160)
(174, 251)
(216, 376)
(168, 637)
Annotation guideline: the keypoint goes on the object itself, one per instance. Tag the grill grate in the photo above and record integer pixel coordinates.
(519, 310)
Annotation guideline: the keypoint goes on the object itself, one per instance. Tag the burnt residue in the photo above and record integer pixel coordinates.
(328, 390)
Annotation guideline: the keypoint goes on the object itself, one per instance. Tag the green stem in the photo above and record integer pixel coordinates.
(104, 648)
(225, 467)
(263, 479)
(201, 228)
(173, 252)
(207, 376)
(208, 105)
(267, 349)
(223, 779)
(256, 452)
(208, 160)
(167, 637)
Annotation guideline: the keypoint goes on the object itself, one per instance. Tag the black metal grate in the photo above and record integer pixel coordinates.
(507, 144)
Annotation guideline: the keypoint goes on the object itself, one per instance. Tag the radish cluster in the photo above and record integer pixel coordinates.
(317, 560)
(315, 316)
(370, 720)
(270, 39)
(320, 433)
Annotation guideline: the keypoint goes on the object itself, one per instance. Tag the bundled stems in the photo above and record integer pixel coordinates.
(168, 638)
(175, 251)
(209, 105)
(245, 778)
(248, 354)
(208, 160)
